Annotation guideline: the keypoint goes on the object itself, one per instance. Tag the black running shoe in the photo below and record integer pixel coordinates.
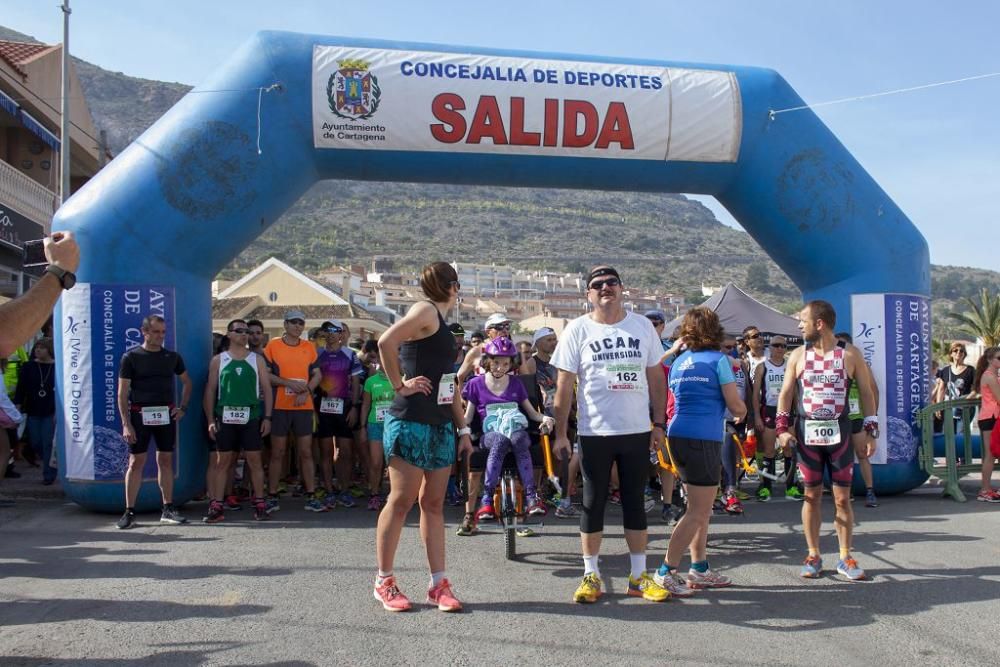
(171, 516)
(127, 521)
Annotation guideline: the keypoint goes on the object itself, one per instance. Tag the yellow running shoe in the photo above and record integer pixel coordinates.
(646, 588)
(589, 590)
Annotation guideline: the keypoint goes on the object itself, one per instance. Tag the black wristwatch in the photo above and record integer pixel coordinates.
(66, 278)
(661, 426)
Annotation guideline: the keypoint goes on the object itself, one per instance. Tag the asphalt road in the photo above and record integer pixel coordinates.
(297, 591)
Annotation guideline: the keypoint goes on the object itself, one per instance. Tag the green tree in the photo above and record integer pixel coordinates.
(758, 277)
(982, 319)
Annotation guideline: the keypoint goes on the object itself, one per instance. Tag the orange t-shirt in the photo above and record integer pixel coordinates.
(291, 362)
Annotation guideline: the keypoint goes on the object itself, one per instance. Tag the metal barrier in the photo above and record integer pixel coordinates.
(949, 473)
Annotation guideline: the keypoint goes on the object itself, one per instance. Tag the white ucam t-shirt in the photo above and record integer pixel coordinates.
(610, 362)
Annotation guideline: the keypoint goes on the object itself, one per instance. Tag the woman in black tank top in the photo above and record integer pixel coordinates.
(418, 355)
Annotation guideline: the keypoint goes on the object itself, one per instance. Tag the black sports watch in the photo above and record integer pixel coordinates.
(661, 426)
(66, 278)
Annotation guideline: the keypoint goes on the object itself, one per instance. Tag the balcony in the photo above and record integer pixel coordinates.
(26, 196)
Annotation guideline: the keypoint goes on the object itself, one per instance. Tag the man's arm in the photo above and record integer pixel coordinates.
(786, 398)
(265, 385)
(469, 363)
(863, 376)
(758, 379)
(22, 317)
(211, 386)
(657, 393)
(563, 402)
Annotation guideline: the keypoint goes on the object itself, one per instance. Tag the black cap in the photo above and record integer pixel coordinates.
(601, 271)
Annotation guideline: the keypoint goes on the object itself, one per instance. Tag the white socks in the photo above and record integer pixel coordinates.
(590, 565)
(638, 564)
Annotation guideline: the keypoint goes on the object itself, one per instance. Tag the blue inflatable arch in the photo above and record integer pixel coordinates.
(158, 223)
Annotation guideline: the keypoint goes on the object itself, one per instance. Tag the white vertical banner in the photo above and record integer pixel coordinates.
(868, 331)
(77, 383)
(893, 333)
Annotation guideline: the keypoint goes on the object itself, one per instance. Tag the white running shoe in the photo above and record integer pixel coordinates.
(708, 579)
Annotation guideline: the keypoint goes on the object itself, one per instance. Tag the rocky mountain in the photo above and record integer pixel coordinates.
(663, 242)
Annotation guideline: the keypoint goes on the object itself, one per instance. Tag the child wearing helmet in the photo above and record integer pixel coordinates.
(502, 404)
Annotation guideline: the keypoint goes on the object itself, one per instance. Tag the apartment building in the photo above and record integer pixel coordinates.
(30, 145)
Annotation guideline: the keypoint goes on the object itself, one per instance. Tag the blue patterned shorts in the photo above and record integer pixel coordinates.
(426, 446)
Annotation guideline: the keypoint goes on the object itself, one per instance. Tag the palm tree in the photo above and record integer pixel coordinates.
(982, 320)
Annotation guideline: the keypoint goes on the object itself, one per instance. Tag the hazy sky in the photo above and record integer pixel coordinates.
(933, 151)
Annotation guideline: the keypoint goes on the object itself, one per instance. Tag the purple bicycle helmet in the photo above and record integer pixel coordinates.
(500, 346)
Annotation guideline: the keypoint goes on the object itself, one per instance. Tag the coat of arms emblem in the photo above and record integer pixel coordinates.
(353, 91)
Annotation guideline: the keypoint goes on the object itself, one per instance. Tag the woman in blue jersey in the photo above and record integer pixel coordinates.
(703, 386)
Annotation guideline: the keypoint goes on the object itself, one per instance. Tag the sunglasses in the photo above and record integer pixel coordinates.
(239, 331)
(780, 346)
(503, 325)
(601, 284)
(752, 336)
(455, 284)
(299, 323)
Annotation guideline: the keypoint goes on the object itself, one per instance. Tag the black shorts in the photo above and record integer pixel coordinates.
(857, 425)
(477, 461)
(164, 436)
(333, 426)
(699, 462)
(237, 437)
(299, 422)
(987, 424)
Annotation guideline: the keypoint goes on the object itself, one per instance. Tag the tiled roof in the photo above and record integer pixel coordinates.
(17, 53)
(223, 309)
(311, 312)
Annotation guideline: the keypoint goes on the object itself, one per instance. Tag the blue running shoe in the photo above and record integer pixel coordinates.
(812, 567)
(345, 499)
(271, 505)
(850, 569)
(870, 499)
(316, 506)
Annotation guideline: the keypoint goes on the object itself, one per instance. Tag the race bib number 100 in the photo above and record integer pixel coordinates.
(822, 433)
(625, 377)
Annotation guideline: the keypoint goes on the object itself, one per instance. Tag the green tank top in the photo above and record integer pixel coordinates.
(238, 384)
(382, 393)
(854, 402)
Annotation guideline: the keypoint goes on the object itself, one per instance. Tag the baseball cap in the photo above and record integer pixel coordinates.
(456, 329)
(495, 319)
(656, 315)
(542, 333)
(295, 315)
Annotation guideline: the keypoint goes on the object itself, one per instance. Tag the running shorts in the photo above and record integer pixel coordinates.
(699, 462)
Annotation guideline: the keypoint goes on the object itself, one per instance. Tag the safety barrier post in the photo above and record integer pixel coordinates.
(950, 471)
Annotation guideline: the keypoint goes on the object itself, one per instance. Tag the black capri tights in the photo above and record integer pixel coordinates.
(597, 454)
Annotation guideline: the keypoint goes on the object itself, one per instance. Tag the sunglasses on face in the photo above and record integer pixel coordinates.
(601, 284)
(752, 336)
(780, 346)
(298, 323)
(498, 327)
(455, 284)
(239, 331)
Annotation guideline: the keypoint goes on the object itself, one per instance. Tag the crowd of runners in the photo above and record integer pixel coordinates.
(427, 415)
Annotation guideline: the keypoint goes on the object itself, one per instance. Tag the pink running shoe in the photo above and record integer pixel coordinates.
(537, 508)
(708, 579)
(442, 596)
(375, 502)
(390, 596)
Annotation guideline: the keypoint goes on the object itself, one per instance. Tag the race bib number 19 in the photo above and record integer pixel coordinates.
(822, 433)
(625, 377)
(156, 416)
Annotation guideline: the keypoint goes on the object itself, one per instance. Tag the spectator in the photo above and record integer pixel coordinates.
(36, 398)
